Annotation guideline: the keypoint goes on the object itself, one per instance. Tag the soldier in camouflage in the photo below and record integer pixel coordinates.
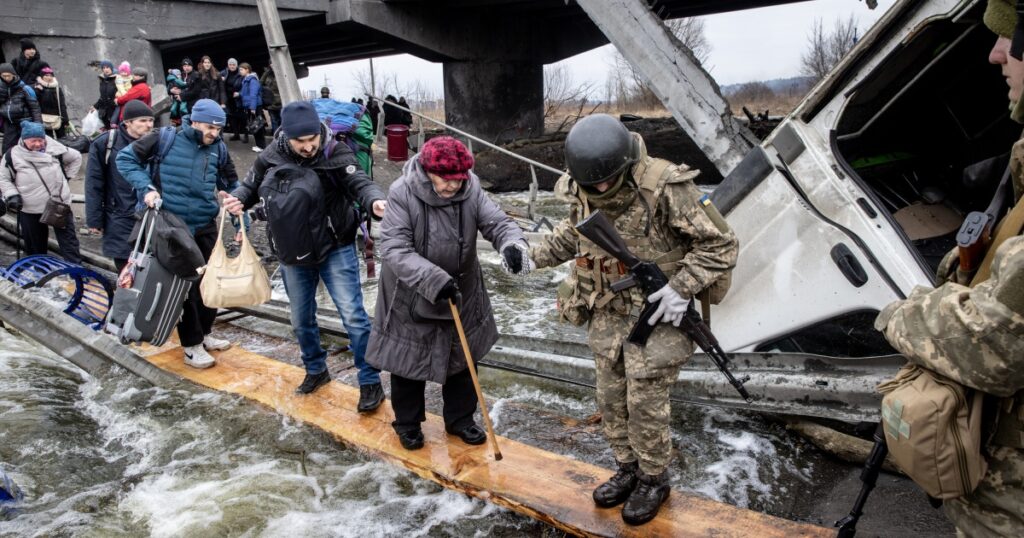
(662, 217)
(972, 331)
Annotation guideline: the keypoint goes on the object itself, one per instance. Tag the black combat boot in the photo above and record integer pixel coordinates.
(617, 489)
(370, 397)
(313, 382)
(645, 501)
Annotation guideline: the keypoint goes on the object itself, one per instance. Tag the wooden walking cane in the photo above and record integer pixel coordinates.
(476, 381)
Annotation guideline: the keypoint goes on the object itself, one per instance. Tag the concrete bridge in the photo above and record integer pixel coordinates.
(493, 51)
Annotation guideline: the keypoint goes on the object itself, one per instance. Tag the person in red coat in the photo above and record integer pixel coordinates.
(139, 91)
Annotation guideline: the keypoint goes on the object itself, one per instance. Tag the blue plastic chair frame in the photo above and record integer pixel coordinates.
(93, 293)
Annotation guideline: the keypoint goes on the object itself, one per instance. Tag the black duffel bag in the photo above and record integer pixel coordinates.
(77, 142)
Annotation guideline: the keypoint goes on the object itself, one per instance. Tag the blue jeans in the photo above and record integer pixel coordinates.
(340, 273)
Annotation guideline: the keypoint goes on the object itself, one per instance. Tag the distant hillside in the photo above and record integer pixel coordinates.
(798, 85)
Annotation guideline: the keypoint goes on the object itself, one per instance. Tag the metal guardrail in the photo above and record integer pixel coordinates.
(534, 165)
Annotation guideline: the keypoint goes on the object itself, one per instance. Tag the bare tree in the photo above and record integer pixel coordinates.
(631, 88)
(562, 92)
(826, 48)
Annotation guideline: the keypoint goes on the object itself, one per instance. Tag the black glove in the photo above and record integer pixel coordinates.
(449, 292)
(14, 202)
(513, 259)
(260, 213)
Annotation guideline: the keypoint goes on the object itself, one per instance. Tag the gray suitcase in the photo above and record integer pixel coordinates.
(151, 308)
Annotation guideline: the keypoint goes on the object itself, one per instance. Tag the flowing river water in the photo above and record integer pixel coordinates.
(113, 456)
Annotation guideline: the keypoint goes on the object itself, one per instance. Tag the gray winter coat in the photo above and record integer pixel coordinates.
(415, 214)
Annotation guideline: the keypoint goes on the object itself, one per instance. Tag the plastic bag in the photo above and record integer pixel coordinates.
(91, 125)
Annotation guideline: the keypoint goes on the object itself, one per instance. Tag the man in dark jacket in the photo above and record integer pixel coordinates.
(28, 64)
(269, 80)
(186, 179)
(233, 91)
(302, 142)
(104, 106)
(17, 102)
(110, 201)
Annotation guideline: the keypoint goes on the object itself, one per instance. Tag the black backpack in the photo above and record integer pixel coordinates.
(298, 229)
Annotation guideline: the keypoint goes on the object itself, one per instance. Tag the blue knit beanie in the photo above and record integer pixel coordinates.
(208, 111)
(107, 63)
(31, 129)
(299, 119)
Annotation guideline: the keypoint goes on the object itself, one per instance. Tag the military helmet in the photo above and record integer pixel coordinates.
(1001, 17)
(598, 148)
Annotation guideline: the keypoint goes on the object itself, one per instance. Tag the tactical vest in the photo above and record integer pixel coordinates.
(645, 233)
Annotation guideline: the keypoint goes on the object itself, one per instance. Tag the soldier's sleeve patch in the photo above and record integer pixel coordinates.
(350, 169)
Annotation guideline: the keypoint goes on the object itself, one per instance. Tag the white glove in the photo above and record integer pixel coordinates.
(672, 307)
(515, 259)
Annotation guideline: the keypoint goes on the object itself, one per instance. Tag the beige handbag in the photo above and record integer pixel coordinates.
(238, 281)
(52, 121)
(933, 431)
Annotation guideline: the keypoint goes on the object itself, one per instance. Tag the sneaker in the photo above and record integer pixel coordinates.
(256, 149)
(212, 343)
(197, 357)
(370, 397)
(313, 382)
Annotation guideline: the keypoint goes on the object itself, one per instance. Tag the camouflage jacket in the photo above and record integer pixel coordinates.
(972, 335)
(679, 221)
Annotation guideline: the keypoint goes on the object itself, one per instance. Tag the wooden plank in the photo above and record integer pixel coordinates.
(539, 484)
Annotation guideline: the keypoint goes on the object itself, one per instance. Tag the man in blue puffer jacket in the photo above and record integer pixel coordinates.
(188, 179)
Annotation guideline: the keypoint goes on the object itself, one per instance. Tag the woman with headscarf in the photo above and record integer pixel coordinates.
(428, 246)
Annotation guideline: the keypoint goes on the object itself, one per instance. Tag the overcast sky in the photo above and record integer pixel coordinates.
(759, 44)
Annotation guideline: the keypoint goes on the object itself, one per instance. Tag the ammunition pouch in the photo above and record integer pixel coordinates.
(572, 308)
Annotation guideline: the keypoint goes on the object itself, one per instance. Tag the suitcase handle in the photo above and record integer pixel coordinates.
(156, 301)
(149, 215)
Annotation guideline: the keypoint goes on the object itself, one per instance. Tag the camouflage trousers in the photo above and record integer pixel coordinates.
(996, 507)
(635, 408)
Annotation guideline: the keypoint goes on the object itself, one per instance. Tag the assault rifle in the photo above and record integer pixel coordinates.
(650, 278)
(976, 232)
(869, 477)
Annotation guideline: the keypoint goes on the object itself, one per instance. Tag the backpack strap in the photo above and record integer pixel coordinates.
(9, 163)
(111, 136)
(163, 147)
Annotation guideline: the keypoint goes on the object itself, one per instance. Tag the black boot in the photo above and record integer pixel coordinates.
(411, 440)
(313, 382)
(471, 435)
(617, 489)
(646, 499)
(370, 397)
(234, 137)
(245, 138)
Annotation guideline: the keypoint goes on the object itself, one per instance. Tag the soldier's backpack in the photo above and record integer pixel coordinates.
(298, 229)
(933, 430)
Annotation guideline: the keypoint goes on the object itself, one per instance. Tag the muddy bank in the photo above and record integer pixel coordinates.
(663, 136)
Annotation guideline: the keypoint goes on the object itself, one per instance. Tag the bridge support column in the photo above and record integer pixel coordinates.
(497, 101)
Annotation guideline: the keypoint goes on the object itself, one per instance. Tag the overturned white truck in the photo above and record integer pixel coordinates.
(847, 206)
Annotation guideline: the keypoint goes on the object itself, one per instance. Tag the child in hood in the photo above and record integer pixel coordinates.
(123, 80)
(178, 107)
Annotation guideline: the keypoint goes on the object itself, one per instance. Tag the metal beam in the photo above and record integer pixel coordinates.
(284, 70)
(90, 350)
(682, 85)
